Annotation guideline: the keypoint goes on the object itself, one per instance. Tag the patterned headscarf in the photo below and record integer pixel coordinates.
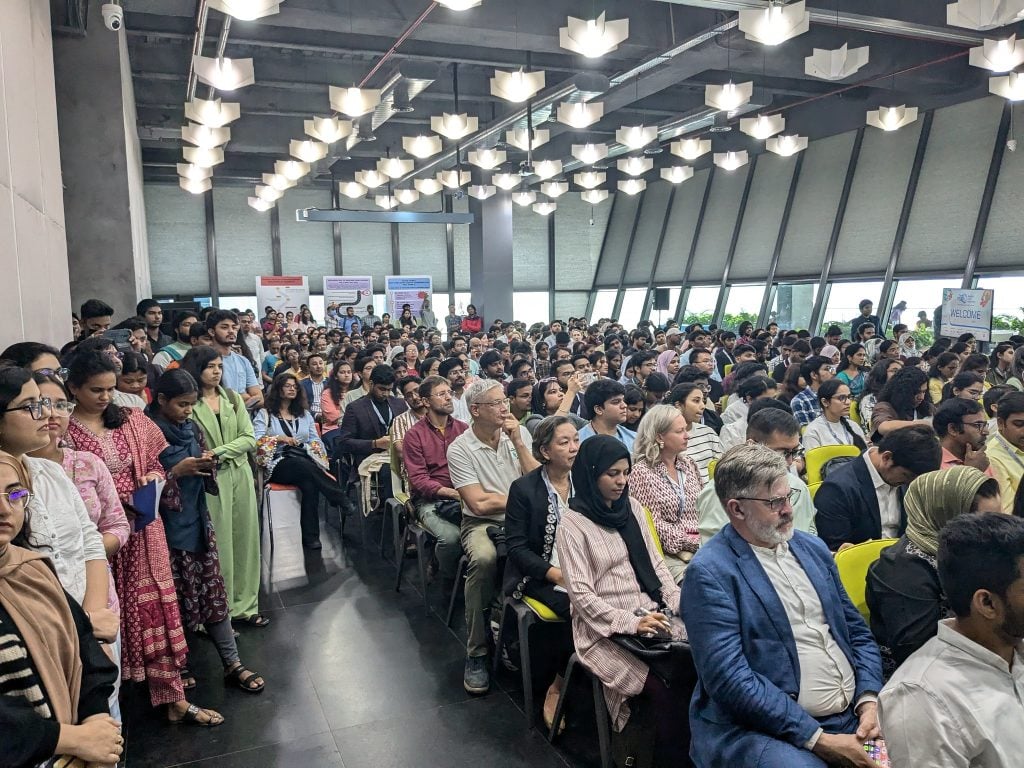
(935, 498)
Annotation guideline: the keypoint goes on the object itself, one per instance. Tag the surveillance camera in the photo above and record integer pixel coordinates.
(113, 16)
(1012, 145)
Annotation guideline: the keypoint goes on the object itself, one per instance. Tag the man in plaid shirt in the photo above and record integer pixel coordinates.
(816, 370)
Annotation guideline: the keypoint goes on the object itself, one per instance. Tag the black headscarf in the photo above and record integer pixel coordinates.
(596, 455)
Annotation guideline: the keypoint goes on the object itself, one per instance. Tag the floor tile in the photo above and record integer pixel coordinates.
(318, 751)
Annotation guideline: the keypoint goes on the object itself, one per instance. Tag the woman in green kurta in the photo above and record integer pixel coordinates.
(227, 428)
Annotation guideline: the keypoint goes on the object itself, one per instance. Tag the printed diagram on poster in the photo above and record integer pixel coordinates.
(344, 291)
(411, 290)
(966, 310)
(285, 293)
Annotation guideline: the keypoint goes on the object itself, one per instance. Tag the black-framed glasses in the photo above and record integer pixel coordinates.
(981, 425)
(35, 408)
(18, 498)
(841, 398)
(791, 454)
(776, 503)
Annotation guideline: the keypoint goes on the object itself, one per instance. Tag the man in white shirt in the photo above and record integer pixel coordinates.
(958, 701)
(453, 370)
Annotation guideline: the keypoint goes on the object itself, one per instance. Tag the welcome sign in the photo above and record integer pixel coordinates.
(966, 310)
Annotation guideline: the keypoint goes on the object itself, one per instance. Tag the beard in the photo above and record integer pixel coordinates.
(774, 534)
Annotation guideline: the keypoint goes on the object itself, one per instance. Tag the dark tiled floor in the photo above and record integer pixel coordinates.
(358, 676)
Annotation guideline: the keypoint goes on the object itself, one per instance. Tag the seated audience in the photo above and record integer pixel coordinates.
(520, 399)
(902, 402)
(239, 374)
(416, 409)
(875, 381)
(963, 431)
(363, 367)
(1005, 448)
(956, 701)
(749, 390)
(636, 404)
(365, 425)
(605, 401)
(816, 370)
(851, 368)
(833, 426)
(863, 498)
(332, 401)
(549, 399)
(179, 347)
(454, 370)
(788, 670)
(315, 382)
(702, 444)
(690, 374)
(943, 369)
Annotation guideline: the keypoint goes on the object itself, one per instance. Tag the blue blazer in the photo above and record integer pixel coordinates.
(745, 654)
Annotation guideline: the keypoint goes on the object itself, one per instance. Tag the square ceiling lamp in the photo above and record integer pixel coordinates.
(786, 146)
(421, 146)
(892, 118)
(775, 24)
(351, 189)
(594, 196)
(593, 38)
(307, 151)
(212, 112)
(837, 64)
(730, 161)
(690, 149)
(224, 74)
(354, 102)
(488, 159)
(516, 86)
(581, 114)
(677, 174)
(518, 138)
(729, 96)
(589, 179)
(427, 186)
(454, 127)
(588, 154)
(328, 129)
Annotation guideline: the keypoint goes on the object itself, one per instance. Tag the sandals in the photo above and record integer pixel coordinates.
(245, 679)
(256, 620)
(191, 717)
(188, 680)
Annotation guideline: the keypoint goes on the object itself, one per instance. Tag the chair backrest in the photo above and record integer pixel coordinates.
(728, 368)
(816, 458)
(853, 563)
(654, 531)
(398, 489)
(854, 412)
(813, 489)
(711, 468)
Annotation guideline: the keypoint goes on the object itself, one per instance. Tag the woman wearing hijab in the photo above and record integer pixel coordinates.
(903, 590)
(619, 584)
(668, 364)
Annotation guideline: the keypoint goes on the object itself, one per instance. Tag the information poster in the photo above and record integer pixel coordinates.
(341, 292)
(966, 310)
(406, 290)
(285, 293)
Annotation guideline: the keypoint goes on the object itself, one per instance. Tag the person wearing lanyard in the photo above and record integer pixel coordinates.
(1005, 449)
(833, 427)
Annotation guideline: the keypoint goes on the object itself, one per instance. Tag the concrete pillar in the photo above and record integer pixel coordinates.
(102, 166)
(36, 302)
(490, 257)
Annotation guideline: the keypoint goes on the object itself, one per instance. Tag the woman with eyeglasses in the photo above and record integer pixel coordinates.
(154, 647)
(967, 384)
(833, 426)
(35, 357)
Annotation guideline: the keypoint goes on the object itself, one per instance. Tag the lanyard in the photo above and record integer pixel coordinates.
(1010, 450)
(387, 424)
(828, 426)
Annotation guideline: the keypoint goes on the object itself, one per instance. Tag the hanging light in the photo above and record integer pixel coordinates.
(454, 127)
(394, 167)
(729, 96)
(407, 196)
(488, 159)
(580, 114)
(203, 136)
(762, 126)
(193, 172)
(482, 191)
(1010, 86)
(195, 186)
(213, 112)
(260, 204)
(836, 64)
(983, 14)
(516, 86)
(524, 198)
(547, 169)
(786, 146)
(204, 158)
(635, 166)
(544, 209)
(636, 136)
(589, 179)
(454, 178)
(677, 174)
(998, 55)
(427, 187)
(268, 193)
(730, 161)
(277, 181)
(421, 146)
(775, 24)
(690, 149)
(588, 154)
(291, 169)
(224, 74)
(593, 38)
(354, 102)
(506, 181)
(632, 186)
(307, 151)
(247, 10)
(518, 138)
(554, 188)
(385, 201)
(892, 118)
(328, 129)
(594, 196)
(351, 189)
(371, 179)
(459, 5)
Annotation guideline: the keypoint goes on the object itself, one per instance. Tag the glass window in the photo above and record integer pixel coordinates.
(604, 304)
(792, 305)
(659, 316)
(843, 301)
(242, 304)
(530, 307)
(316, 308)
(921, 297)
(1007, 302)
(742, 304)
(632, 307)
(700, 304)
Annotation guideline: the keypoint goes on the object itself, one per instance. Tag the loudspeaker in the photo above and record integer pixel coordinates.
(661, 299)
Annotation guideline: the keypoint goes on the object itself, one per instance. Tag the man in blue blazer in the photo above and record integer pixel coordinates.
(789, 672)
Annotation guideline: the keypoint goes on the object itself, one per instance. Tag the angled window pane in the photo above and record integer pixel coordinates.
(529, 250)
(719, 223)
(604, 304)
(682, 223)
(632, 306)
(761, 220)
(741, 305)
(793, 304)
(648, 232)
(844, 302)
(530, 307)
(921, 298)
(578, 241)
(571, 304)
(700, 304)
(620, 228)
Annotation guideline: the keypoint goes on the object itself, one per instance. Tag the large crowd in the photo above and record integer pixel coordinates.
(770, 548)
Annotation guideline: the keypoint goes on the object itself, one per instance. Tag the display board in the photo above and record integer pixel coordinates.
(343, 291)
(285, 293)
(966, 310)
(406, 289)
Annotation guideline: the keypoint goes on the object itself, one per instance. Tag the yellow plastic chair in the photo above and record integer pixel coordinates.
(526, 612)
(728, 368)
(854, 412)
(816, 458)
(813, 489)
(853, 564)
(654, 531)
(711, 468)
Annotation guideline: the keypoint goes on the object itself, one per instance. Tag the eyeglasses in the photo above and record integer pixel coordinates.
(789, 454)
(841, 398)
(60, 373)
(981, 425)
(18, 498)
(503, 402)
(443, 395)
(35, 408)
(777, 503)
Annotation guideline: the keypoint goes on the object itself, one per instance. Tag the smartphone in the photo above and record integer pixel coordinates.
(587, 379)
(877, 752)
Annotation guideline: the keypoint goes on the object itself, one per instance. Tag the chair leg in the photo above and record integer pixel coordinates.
(456, 588)
(566, 679)
(421, 561)
(400, 545)
(604, 739)
(383, 526)
(526, 621)
(500, 642)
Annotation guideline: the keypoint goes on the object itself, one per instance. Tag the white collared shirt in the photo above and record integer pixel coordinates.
(888, 500)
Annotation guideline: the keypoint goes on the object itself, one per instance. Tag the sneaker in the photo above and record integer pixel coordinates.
(507, 658)
(476, 679)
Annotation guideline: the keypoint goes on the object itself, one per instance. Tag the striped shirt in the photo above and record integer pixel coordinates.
(18, 678)
(704, 446)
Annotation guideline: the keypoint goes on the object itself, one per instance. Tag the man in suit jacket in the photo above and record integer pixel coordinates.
(789, 672)
(863, 499)
(364, 427)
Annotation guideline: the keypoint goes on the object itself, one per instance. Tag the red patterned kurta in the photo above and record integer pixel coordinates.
(154, 647)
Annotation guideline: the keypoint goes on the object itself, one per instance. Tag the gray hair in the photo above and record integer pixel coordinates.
(745, 469)
(656, 422)
(475, 392)
(544, 433)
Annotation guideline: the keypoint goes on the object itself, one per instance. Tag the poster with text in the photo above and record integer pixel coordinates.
(966, 310)
(341, 292)
(406, 290)
(285, 293)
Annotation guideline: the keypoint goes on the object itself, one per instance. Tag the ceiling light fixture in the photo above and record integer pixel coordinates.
(590, 179)
(518, 138)
(588, 154)
(506, 181)
(351, 189)
(729, 96)
(547, 169)
(594, 196)
(554, 188)
(385, 201)
(260, 204)
(835, 64)
(632, 186)
(786, 146)
(459, 5)
(482, 191)
(690, 149)
(204, 136)
(394, 167)
(328, 129)
(775, 24)
(524, 198)
(730, 161)
(454, 179)
(224, 74)
(581, 114)
(277, 181)
(636, 136)
(593, 38)
(307, 151)
(293, 170)
(892, 118)
(195, 186)
(516, 86)
(983, 14)
(407, 196)
(677, 174)
(635, 166)
(268, 193)
(763, 126)
(213, 112)
(998, 55)
(454, 127)
(1009, 86)
(427, 187)
(545, 209)
(421, 146)
(204, 158)
(354, 102)
(371, 179)
(488, 159)
(247, 10)
(193, 172)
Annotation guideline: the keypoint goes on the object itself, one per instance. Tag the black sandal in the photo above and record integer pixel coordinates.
(245, 679)
(188, 680)
(256, 620)
(191, 717)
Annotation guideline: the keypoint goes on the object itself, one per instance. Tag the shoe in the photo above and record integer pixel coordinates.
(506, 657)
(476, 679)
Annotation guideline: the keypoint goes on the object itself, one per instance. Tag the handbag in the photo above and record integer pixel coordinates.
(660, 653)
